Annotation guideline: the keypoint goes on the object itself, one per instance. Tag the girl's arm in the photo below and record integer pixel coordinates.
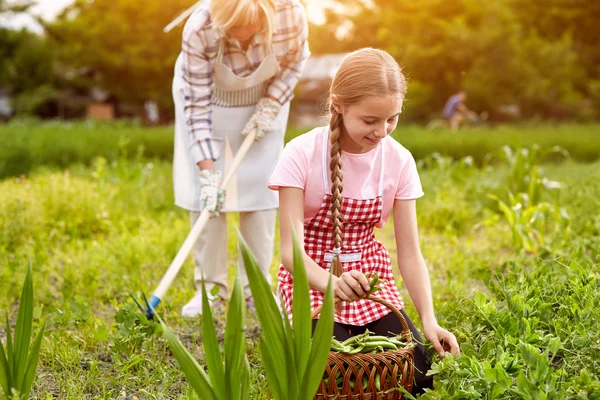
(416, 277)
(348, 287)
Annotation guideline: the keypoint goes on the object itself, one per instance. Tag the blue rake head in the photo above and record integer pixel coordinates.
(150, 305)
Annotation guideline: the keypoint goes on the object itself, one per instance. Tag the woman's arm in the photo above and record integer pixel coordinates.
(348, 287)
(292, 64)
(196, 72)
(416, 276)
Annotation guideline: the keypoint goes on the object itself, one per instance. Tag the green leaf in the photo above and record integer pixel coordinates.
(554, 346)
(245, 380)
(235, 353)
(301, 311)
(195, 375)
(528, 389)
(479, 299)
(5, 377)
(211, 348)
(269, 317)
(273, 370)
(290, 349)
(10, 352)
(320, 345)
(32, 362)
(23, 331)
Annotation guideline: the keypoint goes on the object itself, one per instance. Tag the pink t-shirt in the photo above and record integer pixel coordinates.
(301, 166)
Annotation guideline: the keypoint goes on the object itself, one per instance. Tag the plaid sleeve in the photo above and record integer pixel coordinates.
(197, 89)
(293, 34)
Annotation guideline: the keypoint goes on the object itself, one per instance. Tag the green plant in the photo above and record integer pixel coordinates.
(535, 336)
(294, 363)
(524, 176)
(225, 381)
(19, 362)
(530, 224)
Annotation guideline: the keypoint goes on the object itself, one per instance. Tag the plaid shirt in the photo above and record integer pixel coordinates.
(200, 46)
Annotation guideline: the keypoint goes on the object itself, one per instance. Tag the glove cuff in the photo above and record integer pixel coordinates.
(268, 106)
(210, 178)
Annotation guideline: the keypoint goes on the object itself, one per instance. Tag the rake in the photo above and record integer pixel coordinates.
(191, 238)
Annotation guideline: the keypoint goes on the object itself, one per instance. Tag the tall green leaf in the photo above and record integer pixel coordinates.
(23, 331)
(195, 375)
(10, 353)
(234, 342)
(269, 317)
(4, 370)
(211, 348)
(32, 362)
(245, 380)
(274, 370)
(321, 344)
(301, 311)
(290, 350)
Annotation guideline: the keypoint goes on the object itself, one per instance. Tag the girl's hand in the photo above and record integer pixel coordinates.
(350, 286)
(441, 339)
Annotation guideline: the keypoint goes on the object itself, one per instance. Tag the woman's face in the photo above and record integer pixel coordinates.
(243, 33)
(367, 122)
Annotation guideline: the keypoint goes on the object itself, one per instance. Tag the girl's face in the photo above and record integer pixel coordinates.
(367, 122)
(243, 33)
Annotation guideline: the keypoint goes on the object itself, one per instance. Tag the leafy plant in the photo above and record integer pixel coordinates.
(530, 224)
(19, 361)
(524, 175)
(535, 337)
(294, 363)
(228, 380)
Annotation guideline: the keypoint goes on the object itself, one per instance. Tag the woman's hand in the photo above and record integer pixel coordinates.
(351, 286)
(441, 339)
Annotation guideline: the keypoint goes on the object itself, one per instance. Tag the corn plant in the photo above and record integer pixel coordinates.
(227, 379)
(294, 363)
(19, 362)
(530, 224)
(524, 176)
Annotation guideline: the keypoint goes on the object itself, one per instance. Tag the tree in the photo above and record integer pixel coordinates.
(119, 46)
(486, 48)
(26, 70)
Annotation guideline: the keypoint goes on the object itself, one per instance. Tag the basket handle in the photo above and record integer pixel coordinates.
(406, 334)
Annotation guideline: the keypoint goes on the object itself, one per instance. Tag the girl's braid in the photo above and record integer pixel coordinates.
(335, 165)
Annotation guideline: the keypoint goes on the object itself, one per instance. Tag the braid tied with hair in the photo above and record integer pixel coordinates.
(335, 165)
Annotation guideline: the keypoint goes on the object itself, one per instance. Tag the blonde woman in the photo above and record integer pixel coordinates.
(377, 175)
(237, 70)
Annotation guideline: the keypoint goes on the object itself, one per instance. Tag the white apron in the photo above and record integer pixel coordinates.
(232, 104)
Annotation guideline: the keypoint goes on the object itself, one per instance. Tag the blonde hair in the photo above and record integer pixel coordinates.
(363, 73)
(226, 14)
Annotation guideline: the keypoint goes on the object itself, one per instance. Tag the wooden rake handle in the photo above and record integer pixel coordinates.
(191, 238)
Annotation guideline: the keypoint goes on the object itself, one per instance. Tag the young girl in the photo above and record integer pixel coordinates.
(355, 156)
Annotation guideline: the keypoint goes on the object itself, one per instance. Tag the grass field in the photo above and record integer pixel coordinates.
(96, 230)
(26, 145)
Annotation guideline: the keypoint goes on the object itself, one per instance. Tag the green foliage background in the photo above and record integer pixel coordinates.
(541, 56)
(93, 232)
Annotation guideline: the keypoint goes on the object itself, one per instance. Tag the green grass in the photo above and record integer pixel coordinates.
(26, 145)
(93, 233)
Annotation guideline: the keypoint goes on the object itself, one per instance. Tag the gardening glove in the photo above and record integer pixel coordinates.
(211, 197)
(265, 112)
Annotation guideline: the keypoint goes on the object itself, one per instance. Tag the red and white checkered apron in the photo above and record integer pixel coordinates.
(360, 251)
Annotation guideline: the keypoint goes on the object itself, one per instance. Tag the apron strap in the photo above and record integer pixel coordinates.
(380, 190)
(221, 50)
(325, 140)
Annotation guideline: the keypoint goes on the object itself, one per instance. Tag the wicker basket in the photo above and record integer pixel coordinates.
(395, 369)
